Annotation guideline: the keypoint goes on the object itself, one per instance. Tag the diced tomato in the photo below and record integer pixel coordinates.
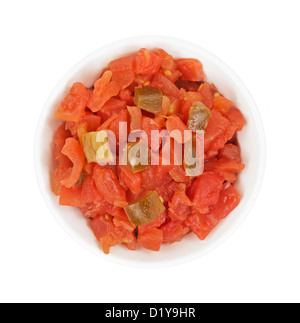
(231, 151)
(106, 125)
(222, 104)
(132, 244)
(135, 118)
(59, 174)
(122, 221)
(185, 110)
(235, 116)
(101, 226)
(216, 127)
(149, 125)
(89, 193)
(191, 69)
(74, 152)
(205, 190)
(93, 121)
(207, 95)
(151, 239)
(178, 173)
(200, 225)
(122, 71)
(143, 79)
(179, 206)
(70, 196)
(168, 62)
(174, 231)
(147, 62)
(73, 106)
(174, 123)
(109, 187)
(104, 89)
(61, 136)
(123, 116)
(126, 95)
(187, 85)
(161, 219)
(111, 106)
(168, 87)
(131, 180)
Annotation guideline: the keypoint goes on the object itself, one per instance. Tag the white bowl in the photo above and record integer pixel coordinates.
(251, 139)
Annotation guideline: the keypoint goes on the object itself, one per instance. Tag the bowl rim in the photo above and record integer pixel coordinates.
(254, 111)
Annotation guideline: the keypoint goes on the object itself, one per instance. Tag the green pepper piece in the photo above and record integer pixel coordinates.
(96, 147)
(145, 210)
(131, 161)
(148, 99)
(198, 117)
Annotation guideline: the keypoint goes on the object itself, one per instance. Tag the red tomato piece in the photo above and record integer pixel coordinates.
(147, 62)
(191, 69)
(70, 196)
(135, 118)
(231, 151)
(111, 106)
(200, 224)
(222, 104)
(123, 116)
(235, 116)
(132, 244)
(74, 152)
(205, 190)
(174, 123)
(216, 127)
(179, 207)
(59, 174)
(106, 125)
(207, 95)
(126, 95)
(73, 106)
(228, 201)
(90, 194)
(104, 89)
(122, 221)
(109, 187)
(174, 231)
(178, 173)
(161, 219)
(151, 239)
(168, 87)
(61, 136)
(149, 125)
(101, 226)
(122, 71)
(131, 180)
(93, 122)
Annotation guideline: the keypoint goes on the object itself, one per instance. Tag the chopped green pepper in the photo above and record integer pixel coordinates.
(199, 116)
(145, 210)
(96, 147)
(149, 99)
(135, 161)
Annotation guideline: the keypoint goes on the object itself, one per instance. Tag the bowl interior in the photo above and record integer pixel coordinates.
(251, 140)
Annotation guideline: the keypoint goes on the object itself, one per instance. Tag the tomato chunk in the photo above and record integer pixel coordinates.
(73, 106)
(122, 71)
(191, 69)
(74, 152)
(109, 187)
(147, 62)
(104, 89)
(151, 239)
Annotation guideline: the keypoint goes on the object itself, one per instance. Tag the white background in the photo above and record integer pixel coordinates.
(41, 40)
